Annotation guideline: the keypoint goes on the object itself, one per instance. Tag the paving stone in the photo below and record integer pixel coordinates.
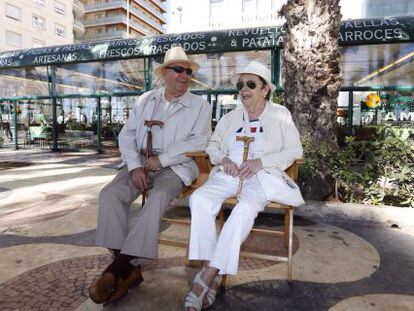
(63, 285)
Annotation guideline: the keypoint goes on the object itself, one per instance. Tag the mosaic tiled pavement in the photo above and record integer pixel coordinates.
(344, 259)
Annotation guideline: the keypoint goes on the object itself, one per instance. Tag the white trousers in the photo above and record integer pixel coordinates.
(205, 203)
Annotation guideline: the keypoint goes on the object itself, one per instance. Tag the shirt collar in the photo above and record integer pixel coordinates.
(183, 99)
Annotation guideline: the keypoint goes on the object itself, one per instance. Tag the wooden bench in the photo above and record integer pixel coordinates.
(204, 165)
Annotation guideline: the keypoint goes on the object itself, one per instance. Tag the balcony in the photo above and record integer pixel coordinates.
(105, 35)
(78, 8)
(105, 6)
(152, 11)
(140, 28)
(160, 4)
(122, 4)
(115, 19)
(147, 19)
(78, 28)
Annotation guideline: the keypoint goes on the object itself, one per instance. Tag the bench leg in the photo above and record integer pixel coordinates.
(220, 222)
(286, 228)
(290, 243)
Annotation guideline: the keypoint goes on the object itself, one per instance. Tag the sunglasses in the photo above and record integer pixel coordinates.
(180, 69)
(250, 84)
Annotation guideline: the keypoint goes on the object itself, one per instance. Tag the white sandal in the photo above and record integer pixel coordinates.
(211, 294)
(191, 299)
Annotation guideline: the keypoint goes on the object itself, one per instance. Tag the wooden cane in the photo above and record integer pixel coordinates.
(246, 141)
(149, 152)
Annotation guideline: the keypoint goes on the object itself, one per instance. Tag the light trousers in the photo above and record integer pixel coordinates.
(205, 203)
(115, 200)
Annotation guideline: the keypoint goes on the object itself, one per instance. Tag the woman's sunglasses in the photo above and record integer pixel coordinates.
(250, 84)
(180, 69)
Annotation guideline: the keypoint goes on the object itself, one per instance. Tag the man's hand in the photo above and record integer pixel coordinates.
(152, 164)
(139, 178)
(230, 168)
(249, 168)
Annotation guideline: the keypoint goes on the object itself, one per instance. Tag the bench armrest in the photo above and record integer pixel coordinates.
(293, 170)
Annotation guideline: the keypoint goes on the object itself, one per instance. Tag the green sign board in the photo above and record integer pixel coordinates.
(377, 30)
(362, 31)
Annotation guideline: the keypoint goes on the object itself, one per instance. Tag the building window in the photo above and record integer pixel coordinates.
(39, 22)
(264, 6)
(249, 10)
(264, 10)
(60, 8)
(13, 38)
(111, 28)
(13, 12)
(216, 11)
(60, 30)
(277, 4)
(39, 2)
(249, 6)
(380, 8)
(38, 43)
(257, 10)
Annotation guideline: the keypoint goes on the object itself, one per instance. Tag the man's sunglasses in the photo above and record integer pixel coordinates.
(250, 84)
(180, 69)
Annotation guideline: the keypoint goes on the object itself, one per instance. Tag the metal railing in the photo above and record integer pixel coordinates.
(160, 4)
(140, 28)
(135, 11)
(109, 5)
(79, 25)
(152, 10)
(106, 35)
(106, 20)
(147, 19)
(78, 8)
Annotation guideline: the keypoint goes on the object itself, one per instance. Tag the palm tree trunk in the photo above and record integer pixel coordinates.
(311, 71)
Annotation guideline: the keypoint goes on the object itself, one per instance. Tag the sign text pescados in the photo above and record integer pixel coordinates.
(353, 32)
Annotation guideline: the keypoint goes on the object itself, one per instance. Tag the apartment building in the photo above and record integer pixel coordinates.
(220, 14)
(379, 8)
(109, 19)
(36, 23)
(200, 15)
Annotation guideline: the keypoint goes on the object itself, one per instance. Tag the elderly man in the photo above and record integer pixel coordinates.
(181, 123)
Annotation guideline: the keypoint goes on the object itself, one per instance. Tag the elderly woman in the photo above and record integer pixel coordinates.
(275, 146)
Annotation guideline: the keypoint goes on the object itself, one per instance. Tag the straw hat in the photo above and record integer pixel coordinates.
(174, 55)
(257, 69)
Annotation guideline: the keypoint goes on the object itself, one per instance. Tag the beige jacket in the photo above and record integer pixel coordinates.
(186, 128)
(280, 137)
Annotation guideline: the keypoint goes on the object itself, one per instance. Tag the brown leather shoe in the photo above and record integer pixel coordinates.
(101, 289)
(133, 279)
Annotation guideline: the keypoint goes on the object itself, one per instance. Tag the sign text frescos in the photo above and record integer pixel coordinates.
(353, 32)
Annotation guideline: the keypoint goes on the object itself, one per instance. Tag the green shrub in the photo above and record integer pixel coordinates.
(373, 172)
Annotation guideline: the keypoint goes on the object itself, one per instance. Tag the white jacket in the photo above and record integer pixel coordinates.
(186, 129)
(280, 137)
(281, 145)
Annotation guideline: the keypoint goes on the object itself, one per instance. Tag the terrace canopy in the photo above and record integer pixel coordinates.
(85, 90)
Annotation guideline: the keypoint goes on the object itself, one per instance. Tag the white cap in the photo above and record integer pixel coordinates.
(257, 69)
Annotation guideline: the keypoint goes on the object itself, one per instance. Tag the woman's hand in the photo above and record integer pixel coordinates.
(249, 168)
(230, 168)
